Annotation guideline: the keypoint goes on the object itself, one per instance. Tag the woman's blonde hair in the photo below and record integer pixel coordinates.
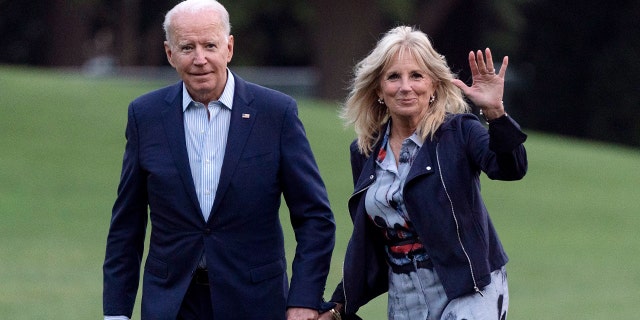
(362, 109)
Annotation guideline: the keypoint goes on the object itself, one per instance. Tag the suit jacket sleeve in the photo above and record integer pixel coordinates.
(311, 216)
(125, 242)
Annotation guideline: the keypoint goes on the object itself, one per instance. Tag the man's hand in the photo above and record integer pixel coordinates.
(302, 314)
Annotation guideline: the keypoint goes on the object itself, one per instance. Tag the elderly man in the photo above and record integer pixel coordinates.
(207, 161)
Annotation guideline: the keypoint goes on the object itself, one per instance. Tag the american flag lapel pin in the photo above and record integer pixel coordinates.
(246, 116)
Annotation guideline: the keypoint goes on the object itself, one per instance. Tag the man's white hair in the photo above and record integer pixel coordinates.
(193, 6)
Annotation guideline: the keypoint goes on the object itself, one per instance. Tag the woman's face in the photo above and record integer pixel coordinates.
(406, 88)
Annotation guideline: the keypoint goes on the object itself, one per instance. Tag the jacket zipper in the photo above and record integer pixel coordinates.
(455, 219)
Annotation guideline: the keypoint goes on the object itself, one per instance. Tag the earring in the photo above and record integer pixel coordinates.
(432, 99)
(380, 101)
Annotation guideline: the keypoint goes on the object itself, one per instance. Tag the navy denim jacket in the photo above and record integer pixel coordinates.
(442, 196)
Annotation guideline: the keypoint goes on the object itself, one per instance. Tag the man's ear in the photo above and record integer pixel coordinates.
(167, 50)
(230, 48)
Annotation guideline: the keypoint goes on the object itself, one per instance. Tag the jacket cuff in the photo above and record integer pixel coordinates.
(505, 135)
(338, 294)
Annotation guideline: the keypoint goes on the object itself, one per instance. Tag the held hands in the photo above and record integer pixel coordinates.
(302, 314)
(333, 314)
(487, 88)
(326, 316)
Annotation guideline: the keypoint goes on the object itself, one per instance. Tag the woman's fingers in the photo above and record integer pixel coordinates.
(503, 67)
(489, 61)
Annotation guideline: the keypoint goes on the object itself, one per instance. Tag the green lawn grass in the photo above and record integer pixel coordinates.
(570, 227)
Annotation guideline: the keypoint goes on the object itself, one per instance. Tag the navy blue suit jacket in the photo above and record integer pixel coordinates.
(267, 156)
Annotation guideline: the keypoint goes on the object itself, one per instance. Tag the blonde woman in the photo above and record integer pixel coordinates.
(421, 230)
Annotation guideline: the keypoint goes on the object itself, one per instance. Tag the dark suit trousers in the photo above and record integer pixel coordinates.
(197, 301)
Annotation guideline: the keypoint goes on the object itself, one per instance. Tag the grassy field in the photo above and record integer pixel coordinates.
(570, 227)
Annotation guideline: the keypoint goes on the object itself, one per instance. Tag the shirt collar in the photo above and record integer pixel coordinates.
(226, 99)
(382, 154)
(415, 137)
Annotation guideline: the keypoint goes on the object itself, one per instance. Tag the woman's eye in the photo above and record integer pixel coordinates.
(393, 76)
(416, 75)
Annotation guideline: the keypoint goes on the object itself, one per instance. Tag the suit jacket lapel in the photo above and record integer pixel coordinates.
(173, 121)
(242, 119)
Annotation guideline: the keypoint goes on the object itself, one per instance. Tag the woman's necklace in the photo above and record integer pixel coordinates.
(396, 144)
(396, 140)
(396, 147)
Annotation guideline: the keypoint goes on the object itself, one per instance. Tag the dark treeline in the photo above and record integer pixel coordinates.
(575, 67)
(583, 69)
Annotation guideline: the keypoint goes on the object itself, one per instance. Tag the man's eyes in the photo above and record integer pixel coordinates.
(187, 48)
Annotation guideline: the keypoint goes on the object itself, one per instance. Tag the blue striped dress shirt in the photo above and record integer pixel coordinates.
(206, 131)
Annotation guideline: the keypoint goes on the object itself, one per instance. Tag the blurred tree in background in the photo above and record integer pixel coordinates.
(583, 69)
(575, 67)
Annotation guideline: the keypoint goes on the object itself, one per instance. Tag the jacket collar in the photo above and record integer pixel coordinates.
(423, 164)
(173, 122)
(243, 116)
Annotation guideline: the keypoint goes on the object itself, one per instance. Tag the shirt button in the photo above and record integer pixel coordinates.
(207, 192)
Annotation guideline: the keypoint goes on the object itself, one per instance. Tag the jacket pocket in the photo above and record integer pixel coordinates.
(156, 267)
(268, 271)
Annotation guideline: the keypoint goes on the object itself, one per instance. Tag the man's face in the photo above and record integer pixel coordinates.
(199, 50)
